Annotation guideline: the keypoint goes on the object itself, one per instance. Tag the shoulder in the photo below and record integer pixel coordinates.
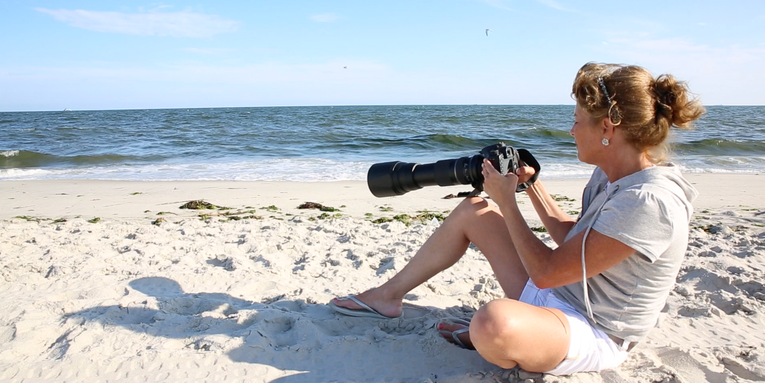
(663, 185)
(660, 193)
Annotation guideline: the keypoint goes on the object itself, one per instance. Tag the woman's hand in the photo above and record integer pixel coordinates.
(525, 173)
(502, 188)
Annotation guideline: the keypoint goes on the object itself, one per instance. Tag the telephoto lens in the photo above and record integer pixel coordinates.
(396, 178)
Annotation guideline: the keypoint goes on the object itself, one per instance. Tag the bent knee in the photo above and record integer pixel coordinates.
(494, 333)
(472, 207)
(506, 332)
(494, 318)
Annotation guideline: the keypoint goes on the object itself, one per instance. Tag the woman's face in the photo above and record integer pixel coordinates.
(586, 135)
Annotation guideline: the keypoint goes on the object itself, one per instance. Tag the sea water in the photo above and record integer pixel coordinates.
(330, 143)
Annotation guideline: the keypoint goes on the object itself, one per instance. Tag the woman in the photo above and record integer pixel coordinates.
(583, 305)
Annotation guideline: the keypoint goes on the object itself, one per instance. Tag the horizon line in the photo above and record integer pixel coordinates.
(303, 106)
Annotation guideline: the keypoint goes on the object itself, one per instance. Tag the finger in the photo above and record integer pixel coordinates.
(489, 167)
(525, 170)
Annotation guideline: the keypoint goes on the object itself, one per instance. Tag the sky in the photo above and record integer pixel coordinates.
(93, 55)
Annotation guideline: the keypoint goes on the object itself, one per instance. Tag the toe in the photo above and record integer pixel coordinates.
(346, 303)
(446, 330)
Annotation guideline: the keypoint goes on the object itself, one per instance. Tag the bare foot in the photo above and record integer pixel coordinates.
(375, 299)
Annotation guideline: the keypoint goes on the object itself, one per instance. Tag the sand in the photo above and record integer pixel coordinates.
(112, 281)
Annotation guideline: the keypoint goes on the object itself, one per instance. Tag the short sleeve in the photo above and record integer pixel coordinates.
(639, 219)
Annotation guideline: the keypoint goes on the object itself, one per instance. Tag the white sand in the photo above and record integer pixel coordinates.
(221, 299)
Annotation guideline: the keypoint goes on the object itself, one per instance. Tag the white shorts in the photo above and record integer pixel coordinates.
(591, 349)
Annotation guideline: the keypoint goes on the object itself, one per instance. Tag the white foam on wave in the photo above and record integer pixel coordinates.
(9, 153)
(305, 170)
(283, 169)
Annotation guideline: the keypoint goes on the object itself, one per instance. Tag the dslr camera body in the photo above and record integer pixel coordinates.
(396, 178)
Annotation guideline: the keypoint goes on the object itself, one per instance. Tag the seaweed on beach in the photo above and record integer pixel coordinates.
(27, 218)
(562, 198)
(201, 205)
(228, 215)
(422, 217)
(38, 220)
(314, 205)
(329, 216)
(458, 195)
(240, 215)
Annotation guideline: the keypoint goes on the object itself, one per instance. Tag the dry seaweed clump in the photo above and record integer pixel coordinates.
(201, 205)
(314, 205)
(422, 217)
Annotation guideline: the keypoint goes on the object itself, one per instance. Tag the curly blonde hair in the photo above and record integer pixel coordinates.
(643, 106)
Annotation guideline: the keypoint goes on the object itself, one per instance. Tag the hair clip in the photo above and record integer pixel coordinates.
(605, 91)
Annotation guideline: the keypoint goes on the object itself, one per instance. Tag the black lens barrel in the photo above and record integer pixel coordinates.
(396, 178)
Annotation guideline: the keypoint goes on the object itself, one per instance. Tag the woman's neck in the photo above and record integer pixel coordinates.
(624, 164)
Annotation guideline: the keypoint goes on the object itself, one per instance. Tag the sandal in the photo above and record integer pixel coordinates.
(454, 335)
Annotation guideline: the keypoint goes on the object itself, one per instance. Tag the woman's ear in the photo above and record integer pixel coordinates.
(608, 127)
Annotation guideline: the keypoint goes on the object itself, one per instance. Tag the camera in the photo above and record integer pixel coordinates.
(388, 179)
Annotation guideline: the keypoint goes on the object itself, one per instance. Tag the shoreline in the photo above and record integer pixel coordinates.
(54, 199)
(200, 296)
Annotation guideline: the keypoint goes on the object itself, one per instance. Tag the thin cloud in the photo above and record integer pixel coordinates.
(273, 72)
(501, 4)
(153, 23)
(555, 5)
(655, 45)
(206, 51)
(325, 18)
(679, 53)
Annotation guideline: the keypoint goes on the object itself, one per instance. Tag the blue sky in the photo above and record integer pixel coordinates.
(131, 54)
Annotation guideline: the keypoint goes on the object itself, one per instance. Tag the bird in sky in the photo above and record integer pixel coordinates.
(487, 31)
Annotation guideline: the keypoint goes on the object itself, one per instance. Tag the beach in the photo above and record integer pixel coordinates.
(115, 281)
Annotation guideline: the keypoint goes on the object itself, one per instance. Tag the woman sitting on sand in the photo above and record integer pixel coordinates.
(626, 245)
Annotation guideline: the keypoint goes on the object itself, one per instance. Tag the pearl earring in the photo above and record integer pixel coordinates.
(605, 142)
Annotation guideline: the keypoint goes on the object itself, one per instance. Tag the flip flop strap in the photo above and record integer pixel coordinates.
(455, 336)
(362, 304)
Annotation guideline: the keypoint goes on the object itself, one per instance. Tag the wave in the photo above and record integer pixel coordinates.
(720, 146)
(300, 169)
(202, 143)
(23, 159)
(424, 143)
(276, 169)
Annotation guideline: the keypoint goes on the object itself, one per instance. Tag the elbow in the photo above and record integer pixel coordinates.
(544, 281)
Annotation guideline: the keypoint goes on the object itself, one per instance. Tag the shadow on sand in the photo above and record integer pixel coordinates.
(309, 341)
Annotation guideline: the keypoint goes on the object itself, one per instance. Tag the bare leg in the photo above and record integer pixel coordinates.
(507, 333)
(474, 220)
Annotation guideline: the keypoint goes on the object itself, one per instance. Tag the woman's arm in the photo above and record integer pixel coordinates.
(557, 222)
(547, 267)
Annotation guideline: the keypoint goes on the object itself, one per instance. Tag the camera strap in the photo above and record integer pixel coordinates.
(529, 160)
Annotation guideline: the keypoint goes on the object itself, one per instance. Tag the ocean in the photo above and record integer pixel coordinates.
(330, 143)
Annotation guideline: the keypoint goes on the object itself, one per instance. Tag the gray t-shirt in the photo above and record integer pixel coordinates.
(648, 211)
